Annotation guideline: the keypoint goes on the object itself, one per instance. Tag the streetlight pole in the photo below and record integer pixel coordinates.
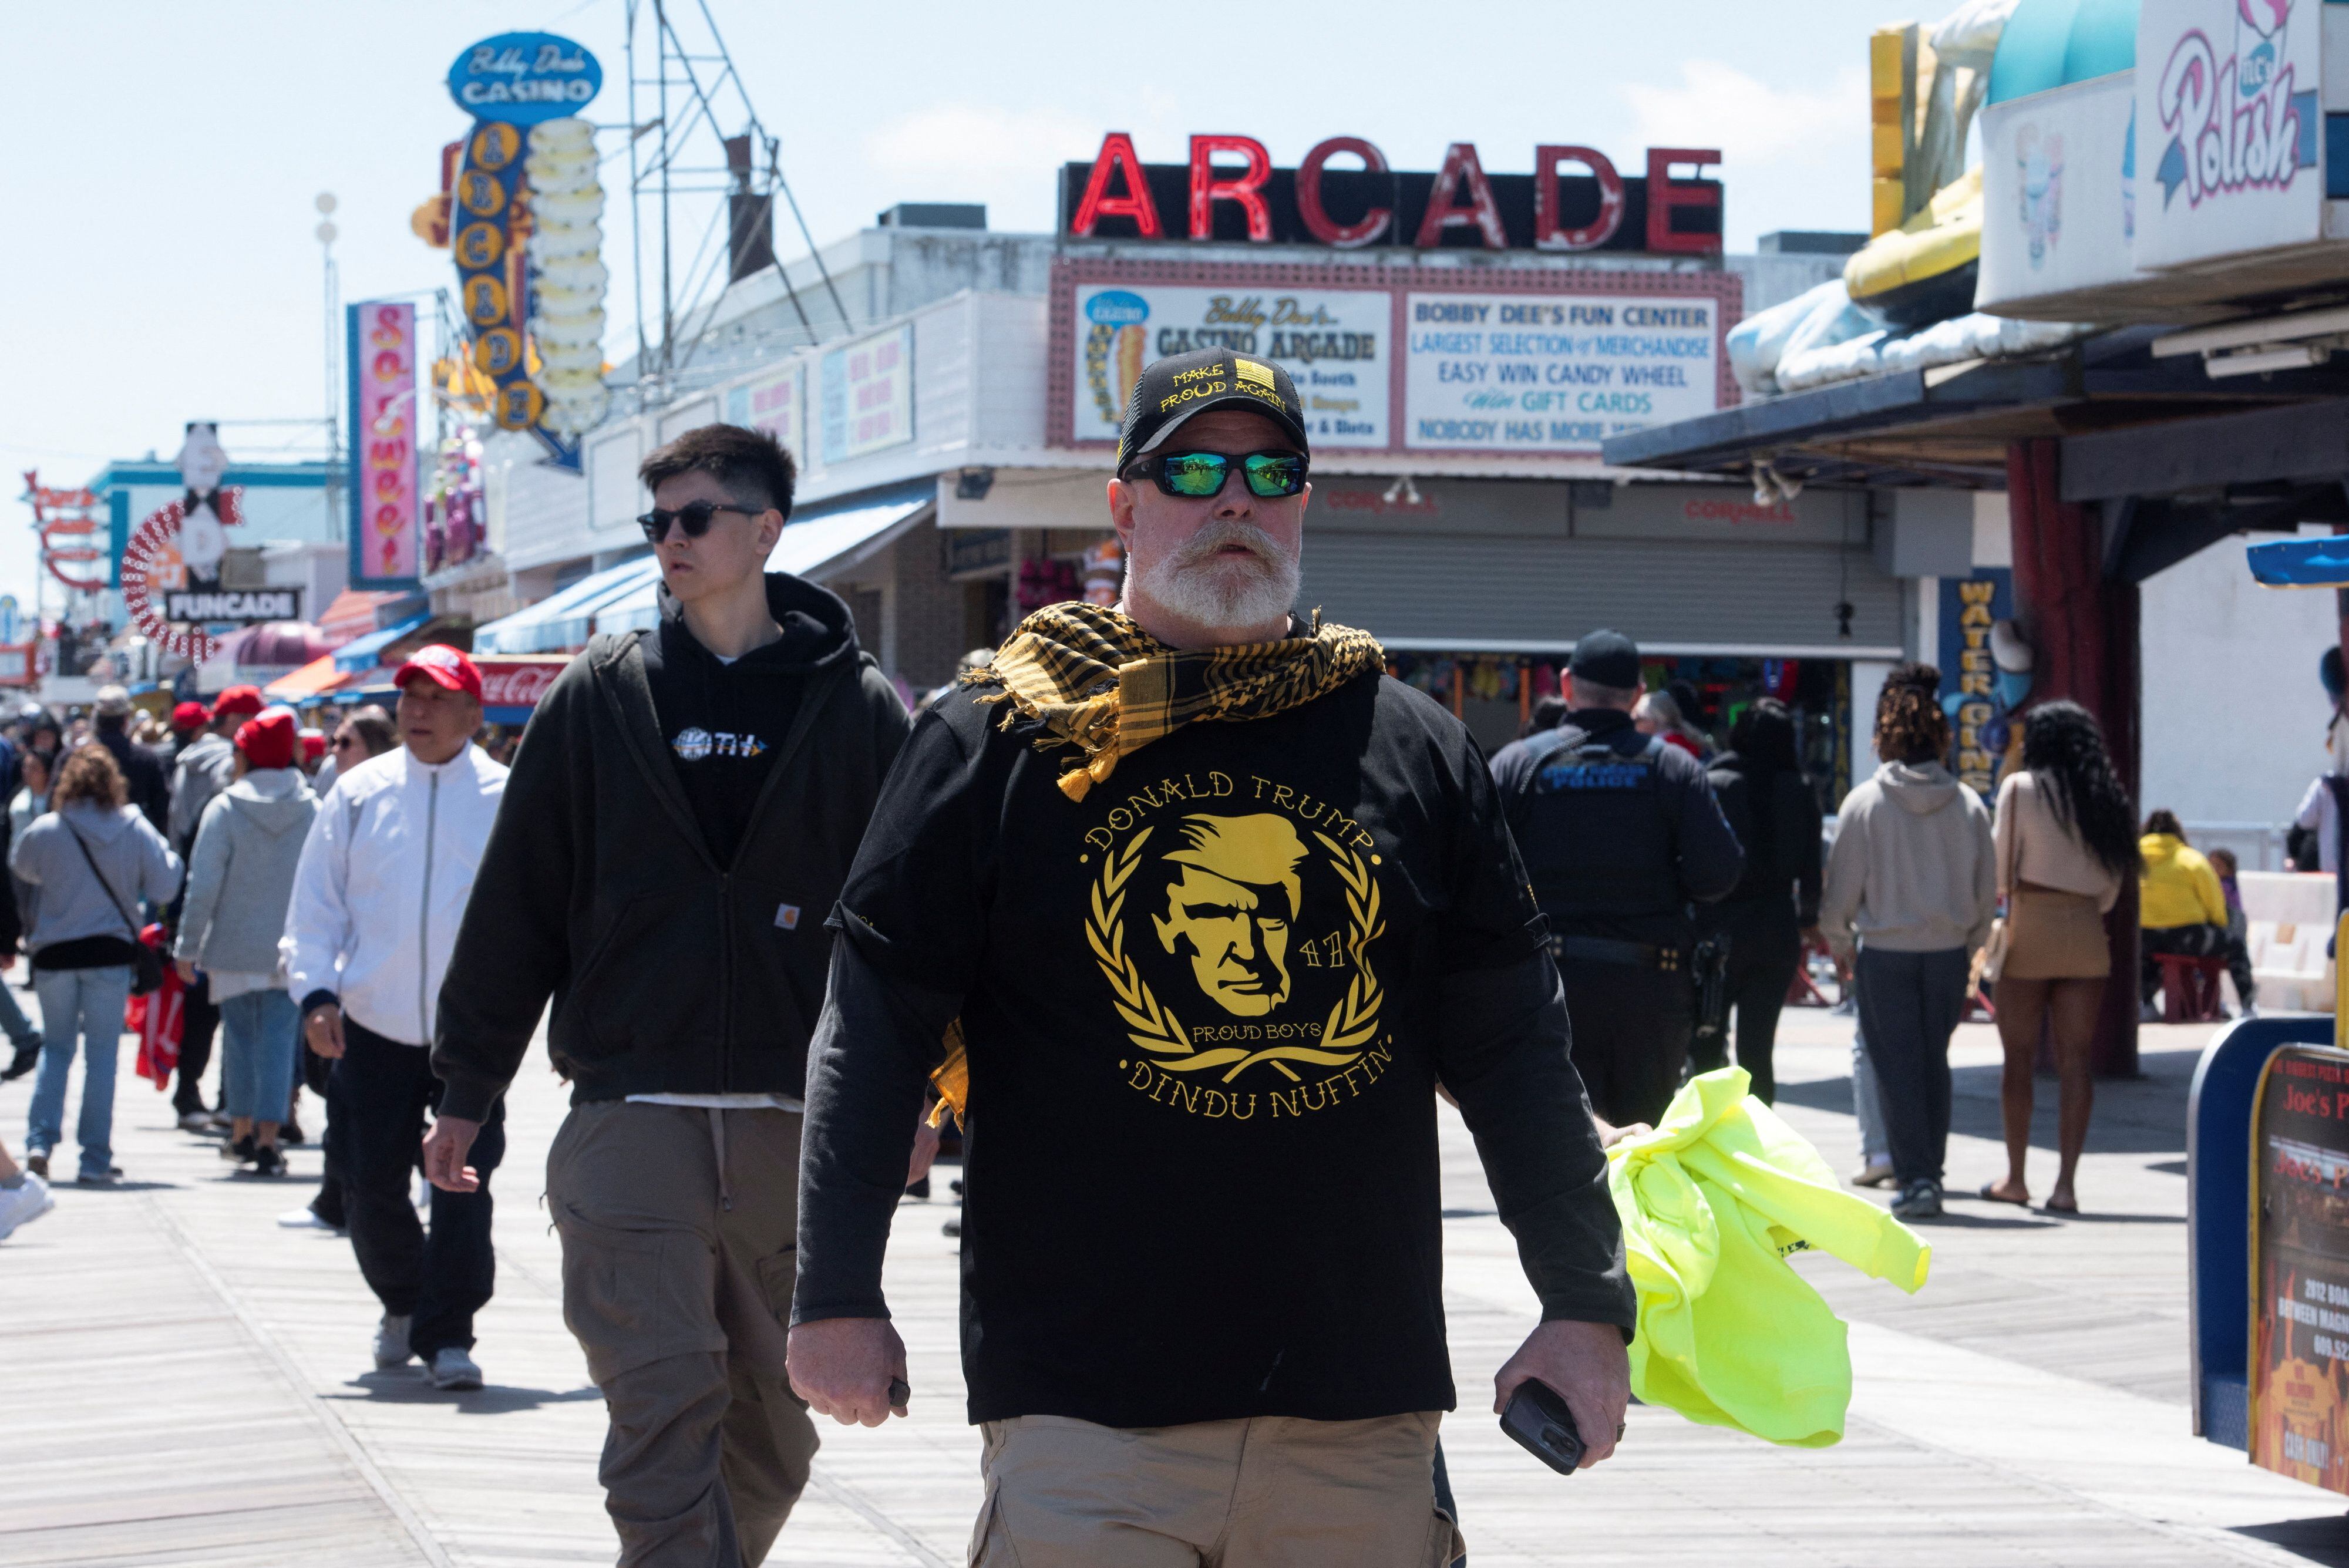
(326, 233)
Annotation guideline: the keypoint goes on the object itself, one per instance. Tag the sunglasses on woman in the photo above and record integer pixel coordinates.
(1198, 474)
(693, 517)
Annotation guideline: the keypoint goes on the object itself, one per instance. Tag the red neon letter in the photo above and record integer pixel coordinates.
(1460, 164)
(1547, 233)
(1664, 198)
(1315, 217)
(1206, 189)
(1117, 152)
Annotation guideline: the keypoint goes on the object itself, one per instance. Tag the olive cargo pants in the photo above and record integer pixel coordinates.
(680, 1230)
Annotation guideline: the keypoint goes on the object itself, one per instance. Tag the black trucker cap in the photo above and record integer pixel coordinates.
(1606, 658)
(1167, 394)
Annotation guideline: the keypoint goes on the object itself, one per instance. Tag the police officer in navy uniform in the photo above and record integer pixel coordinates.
(1622, 838)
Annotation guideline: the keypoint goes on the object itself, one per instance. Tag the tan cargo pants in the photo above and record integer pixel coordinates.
(680, 1230)
(1273, 1491)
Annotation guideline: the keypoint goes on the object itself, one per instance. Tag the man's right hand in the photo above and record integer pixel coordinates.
(842, 1368)
(323, 1029)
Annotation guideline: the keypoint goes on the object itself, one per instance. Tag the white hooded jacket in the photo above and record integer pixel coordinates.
(382, 885)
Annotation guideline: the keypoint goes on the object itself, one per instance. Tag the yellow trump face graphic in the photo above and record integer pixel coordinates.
(1231, 900)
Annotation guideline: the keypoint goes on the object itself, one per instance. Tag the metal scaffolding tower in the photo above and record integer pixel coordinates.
(700, 163)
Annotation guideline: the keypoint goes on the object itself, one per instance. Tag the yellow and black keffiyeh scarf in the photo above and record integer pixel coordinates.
(1094, 680)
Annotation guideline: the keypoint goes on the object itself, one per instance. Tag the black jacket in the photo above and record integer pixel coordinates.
(1619, 832)
(143, 770)
(1776, 817)
(671, 971)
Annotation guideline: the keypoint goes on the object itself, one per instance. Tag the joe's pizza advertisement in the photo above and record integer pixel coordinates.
(2300, 1342)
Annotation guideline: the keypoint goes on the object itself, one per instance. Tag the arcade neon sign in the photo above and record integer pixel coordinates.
(1575, 199)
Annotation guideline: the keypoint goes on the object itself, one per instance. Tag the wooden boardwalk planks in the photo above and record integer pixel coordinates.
(191, 1385)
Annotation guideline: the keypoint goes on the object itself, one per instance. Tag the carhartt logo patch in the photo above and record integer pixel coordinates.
(787, 917)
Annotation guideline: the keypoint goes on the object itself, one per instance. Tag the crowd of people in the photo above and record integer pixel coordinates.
(785, 929)
(131, 844)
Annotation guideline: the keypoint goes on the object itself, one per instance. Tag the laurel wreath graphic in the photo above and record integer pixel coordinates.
(1353, 1019)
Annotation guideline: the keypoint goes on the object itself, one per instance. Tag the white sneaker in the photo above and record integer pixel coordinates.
(391, 1342)
(1872, 1173)
(302, 1219)
(452, 1368)
(21, 1205)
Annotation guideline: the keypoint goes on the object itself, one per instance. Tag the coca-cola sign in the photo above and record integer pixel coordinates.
(515, 683)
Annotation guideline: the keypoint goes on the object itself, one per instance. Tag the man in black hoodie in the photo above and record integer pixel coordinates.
(679, 820)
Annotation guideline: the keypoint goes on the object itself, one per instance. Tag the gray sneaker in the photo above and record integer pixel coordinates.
(1918, 1200)
(391, 1342)
(452, 1368)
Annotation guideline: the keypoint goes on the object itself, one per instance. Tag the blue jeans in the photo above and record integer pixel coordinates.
(84, 1006)
(257, 1063)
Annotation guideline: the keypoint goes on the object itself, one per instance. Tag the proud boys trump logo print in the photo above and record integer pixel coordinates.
(1235, 921)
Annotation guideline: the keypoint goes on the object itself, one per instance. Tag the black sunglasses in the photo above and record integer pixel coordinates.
(693, 517)
(1197, 474)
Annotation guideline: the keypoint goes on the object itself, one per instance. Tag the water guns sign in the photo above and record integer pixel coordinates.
(526, 228)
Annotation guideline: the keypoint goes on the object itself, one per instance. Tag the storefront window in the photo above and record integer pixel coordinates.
(1500, 697)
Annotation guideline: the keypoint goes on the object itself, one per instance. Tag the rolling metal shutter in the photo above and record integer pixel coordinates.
(1470, 591)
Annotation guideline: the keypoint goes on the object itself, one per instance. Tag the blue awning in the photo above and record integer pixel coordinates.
(816, 541)
(565, 620)
(362, 652)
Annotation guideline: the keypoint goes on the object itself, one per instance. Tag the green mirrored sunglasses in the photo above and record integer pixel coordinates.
(1202, 473)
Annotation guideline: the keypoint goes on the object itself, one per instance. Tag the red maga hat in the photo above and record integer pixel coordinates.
(238, 699)
(447, 668)
(189, 716)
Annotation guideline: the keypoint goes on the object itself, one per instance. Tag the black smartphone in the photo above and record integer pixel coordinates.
(901, 1394)
(1540, 1422)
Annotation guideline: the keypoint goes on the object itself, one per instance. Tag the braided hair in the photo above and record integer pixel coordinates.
(1909, 724)
(2064, 749)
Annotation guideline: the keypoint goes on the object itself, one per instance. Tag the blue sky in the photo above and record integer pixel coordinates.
(160, 158)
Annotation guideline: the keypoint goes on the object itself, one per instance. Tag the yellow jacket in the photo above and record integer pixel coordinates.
(2179, 886)
(1712, 1203)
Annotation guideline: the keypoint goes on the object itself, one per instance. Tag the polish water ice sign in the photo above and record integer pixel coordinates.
(1516, 372)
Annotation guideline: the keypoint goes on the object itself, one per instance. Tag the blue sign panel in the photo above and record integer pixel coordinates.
(522, 78)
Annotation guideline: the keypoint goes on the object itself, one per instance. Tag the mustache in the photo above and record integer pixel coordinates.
(1203, 546)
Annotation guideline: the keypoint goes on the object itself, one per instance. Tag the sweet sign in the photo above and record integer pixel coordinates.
(387, 501)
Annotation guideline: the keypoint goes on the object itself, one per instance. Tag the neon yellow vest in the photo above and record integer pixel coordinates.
(1713, 1202)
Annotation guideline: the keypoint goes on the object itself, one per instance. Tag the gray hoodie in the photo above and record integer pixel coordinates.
(201, 772)
(240, 872)
(1913, 869)
(136, 862)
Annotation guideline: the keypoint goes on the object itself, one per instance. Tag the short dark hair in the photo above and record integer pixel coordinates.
(2164, 820)
(752, 464)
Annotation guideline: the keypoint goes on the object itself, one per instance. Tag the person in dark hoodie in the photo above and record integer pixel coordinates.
(1769, 806)
(681, 816)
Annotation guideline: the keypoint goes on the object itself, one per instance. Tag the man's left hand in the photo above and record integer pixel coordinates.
(445, 1148)
(1588, 1367)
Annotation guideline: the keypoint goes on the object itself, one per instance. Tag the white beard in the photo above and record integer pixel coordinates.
(1224, 593)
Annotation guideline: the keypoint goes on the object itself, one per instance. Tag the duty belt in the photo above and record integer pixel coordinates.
(1606, 950)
